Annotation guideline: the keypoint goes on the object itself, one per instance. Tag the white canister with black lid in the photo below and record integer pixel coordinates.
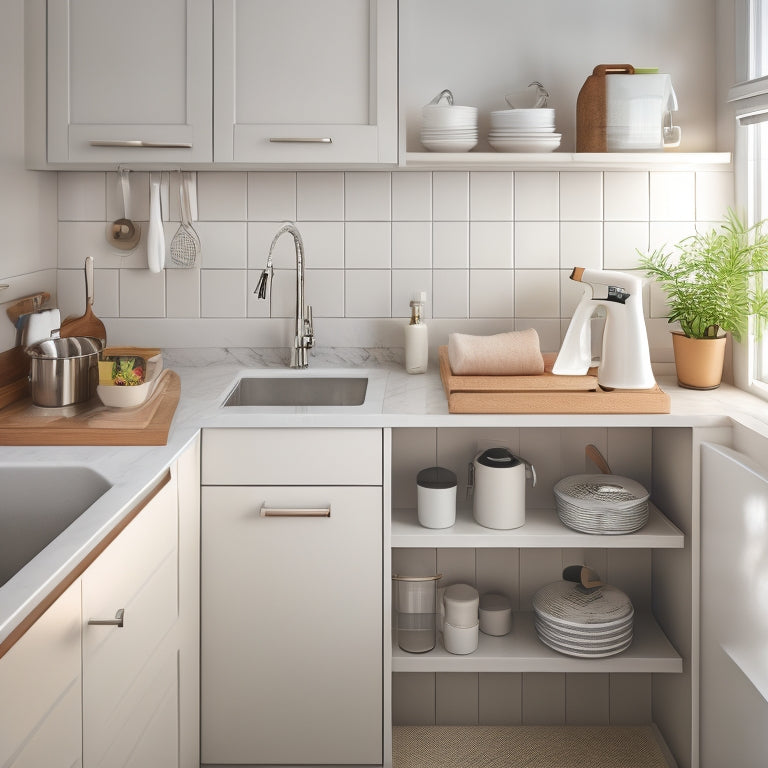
(497, 482)
(436, 497)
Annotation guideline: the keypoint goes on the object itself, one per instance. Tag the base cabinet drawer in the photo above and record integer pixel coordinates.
(292, 625)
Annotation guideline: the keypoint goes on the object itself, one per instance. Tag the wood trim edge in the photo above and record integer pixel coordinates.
(46, 602)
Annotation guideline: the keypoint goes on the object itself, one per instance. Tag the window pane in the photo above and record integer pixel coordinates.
(758, 144)
(758, 38)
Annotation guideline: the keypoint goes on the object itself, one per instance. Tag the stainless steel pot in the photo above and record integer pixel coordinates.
(64, 371)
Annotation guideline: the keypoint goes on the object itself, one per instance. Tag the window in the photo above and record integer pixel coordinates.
(750, 100)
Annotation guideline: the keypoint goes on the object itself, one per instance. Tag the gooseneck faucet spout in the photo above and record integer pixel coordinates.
(304, 336)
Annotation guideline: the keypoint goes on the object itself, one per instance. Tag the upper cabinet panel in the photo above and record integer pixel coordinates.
(302, 81)
(129, 83)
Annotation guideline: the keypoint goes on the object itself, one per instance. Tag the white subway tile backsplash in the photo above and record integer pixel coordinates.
(490, 244)
(581, 196)
(412, 196)
(81, 197)
(221, 196)
(224, 244)
(537, 196)
(142, 293)
(222, 293)
(450, 244)
(625, 196)
(714, 194)
(537, 292)
(492, 293)
(367, 293)
(450, 196)
(621, 241)
(367, 196)
(320, 196)
(537, 245)
(406, 283)
(493, 249)
(673, 196)
(450, 289)
(411, 245)
(491, 196)
(581, 244)
(271, 196)
(182, 293)
(367, 244)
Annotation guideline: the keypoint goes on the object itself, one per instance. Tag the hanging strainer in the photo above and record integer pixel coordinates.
(602, 503)
(185, 246)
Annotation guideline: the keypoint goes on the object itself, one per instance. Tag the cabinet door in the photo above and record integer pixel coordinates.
(292, 626)
(130, 672)
(129, 72)
(305, 81)
(40, 718)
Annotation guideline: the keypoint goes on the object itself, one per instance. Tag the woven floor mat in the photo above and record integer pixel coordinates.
(526, 747)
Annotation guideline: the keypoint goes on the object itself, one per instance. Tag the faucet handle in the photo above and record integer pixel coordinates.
(309, 328)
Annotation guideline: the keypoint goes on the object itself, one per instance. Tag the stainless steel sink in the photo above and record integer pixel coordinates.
(304, 391)
(36, 504)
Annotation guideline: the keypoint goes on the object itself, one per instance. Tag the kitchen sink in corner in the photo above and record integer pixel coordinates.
(37, 504)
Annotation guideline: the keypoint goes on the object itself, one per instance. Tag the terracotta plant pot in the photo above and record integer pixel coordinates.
(699, 362)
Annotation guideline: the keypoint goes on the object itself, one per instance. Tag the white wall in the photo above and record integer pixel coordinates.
(28, 248)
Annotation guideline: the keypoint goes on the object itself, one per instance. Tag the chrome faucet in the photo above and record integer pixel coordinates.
(304, 337)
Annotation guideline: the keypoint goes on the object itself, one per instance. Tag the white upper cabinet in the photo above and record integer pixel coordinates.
(305, 81)
(129, 82)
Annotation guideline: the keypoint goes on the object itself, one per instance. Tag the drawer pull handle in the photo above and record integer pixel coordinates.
(301, 140)
(295, 512)
(116, 622)
(140, 143)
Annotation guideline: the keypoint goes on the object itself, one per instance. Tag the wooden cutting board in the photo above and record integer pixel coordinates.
(23, 423)
(543, 393)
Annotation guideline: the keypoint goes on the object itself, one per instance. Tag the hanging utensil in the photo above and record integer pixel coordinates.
(155, 236)
(185, 245)
(124, 233)
(592, 452)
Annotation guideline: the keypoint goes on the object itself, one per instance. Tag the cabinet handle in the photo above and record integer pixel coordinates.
(141, 143)
(301, 140)
(116, 622)
(294, 512)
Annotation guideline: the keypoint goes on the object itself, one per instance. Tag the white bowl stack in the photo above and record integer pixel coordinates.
(523, 130)
(448, 127)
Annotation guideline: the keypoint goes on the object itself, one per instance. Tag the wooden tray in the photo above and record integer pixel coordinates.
(92, 423)
(543, 393)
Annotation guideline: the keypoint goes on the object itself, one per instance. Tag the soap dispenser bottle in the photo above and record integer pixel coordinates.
(416, 337)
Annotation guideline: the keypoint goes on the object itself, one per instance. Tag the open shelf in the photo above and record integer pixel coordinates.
(542, 529)
(522, 651)
(567, 161)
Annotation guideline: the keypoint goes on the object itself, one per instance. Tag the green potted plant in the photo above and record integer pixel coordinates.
(714, 286)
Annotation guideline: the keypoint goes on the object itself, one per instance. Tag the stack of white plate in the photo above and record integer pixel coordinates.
(608, 504)
(448, 128)
(523, 130)
(590, 624)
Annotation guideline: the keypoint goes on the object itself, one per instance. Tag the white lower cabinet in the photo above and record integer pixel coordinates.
(40, 718)
(291, 608)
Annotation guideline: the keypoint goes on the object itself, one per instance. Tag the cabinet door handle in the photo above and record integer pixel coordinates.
(295, 511)
(116, 622)
(140, 143)
(301, 140)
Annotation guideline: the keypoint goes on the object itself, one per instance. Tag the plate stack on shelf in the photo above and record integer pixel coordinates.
(446, 127)
(588, 623)
(602, 504)
(523, 130)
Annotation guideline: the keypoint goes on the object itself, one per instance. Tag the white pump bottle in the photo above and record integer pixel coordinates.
(417, 337)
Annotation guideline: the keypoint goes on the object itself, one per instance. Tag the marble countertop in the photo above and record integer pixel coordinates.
(395, 399)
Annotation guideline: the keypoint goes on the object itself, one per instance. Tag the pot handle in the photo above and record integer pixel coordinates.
(530, 470)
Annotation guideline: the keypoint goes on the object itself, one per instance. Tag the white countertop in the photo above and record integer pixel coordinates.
(395, 399)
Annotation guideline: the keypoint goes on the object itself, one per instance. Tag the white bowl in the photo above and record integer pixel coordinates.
(130, 397)
(525, 144)
(449, 145)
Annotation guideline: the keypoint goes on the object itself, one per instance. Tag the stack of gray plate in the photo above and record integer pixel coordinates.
(590, 624)
(601, 503)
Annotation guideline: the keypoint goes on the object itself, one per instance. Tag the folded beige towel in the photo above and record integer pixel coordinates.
(504, 354)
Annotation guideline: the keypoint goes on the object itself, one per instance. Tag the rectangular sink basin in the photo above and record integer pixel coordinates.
(308, 391)
(37, 503)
